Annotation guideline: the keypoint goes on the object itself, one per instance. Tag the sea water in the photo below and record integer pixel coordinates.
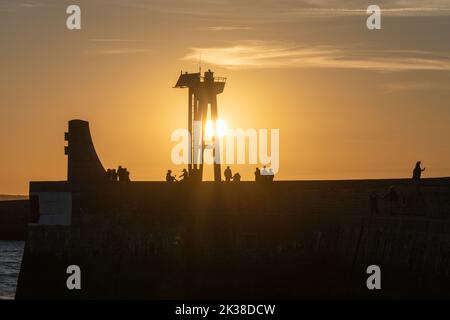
(10, 259)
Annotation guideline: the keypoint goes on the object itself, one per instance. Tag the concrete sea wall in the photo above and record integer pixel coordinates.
(282, 240)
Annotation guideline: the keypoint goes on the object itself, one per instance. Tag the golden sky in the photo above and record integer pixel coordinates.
(349, 102)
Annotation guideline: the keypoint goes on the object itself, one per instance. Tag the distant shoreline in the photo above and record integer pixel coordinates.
(8, 197)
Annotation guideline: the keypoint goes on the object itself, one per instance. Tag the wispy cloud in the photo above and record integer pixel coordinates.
(392, 12)
(228, 28)
(116, 51)
(415, 86)
(114, 40)
(116, 46)
(14, 5)
(259, 54)
(269, 10)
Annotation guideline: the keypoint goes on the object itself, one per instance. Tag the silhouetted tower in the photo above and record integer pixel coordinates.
(202, 94)
(84, 166)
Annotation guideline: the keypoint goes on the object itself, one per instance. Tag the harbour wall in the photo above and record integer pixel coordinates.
(288, 240)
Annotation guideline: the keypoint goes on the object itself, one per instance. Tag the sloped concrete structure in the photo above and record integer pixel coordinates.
(84, 166)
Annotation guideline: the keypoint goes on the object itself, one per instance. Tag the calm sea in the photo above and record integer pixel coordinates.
(10, 259)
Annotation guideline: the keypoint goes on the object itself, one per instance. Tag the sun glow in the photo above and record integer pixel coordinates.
(220, 130)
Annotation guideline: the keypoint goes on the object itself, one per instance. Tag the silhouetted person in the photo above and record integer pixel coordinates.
(169, 177)
(123, 174)
(237, 177)
(374, 203)
(110, 173)
(184, 175)
(126, 175)
(228, 174)
(257, 175)
(114, 176)
(120, 173)
(417, 172)
(264, 172)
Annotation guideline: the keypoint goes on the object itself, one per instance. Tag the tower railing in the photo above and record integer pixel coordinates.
(216, 79)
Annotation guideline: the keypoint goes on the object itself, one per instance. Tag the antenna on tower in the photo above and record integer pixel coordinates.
(200, 64)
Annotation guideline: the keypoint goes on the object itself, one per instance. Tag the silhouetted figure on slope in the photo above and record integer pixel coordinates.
(184, 176)
(228, 174)
(417, 172)
(169, 177)
(257, 175)
(237, 177)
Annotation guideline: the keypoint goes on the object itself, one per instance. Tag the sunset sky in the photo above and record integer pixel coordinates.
(349, 102)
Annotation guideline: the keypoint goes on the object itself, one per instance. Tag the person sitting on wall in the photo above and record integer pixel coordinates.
(267, 175)
(184, 176)
(228, 174)
(257, 175)
(237, 177)
(114, 176)
(169, 177)
(111, 175)
(264, 173)
(126, 175)
(120, 173)
(123, 174)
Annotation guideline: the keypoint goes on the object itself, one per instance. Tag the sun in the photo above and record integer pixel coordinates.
(221, 129)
